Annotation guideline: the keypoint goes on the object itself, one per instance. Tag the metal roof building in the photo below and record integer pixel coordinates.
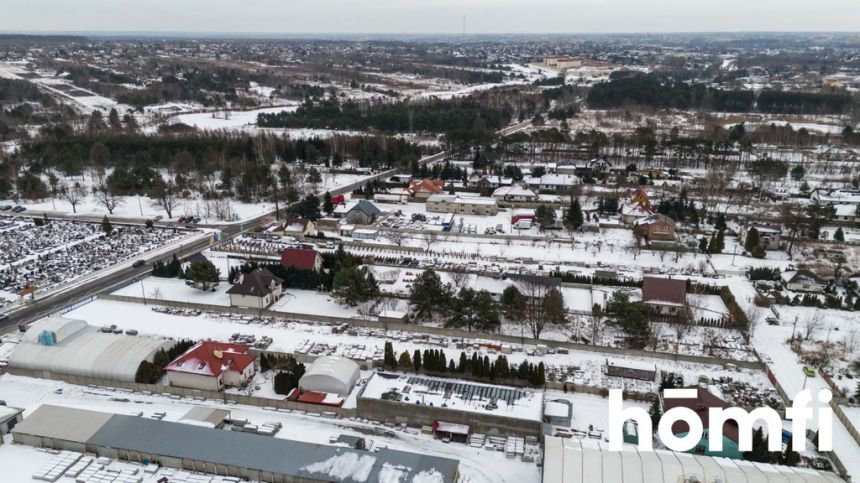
(71, 347)
(228, 453)
(587, 461)
(336, 375)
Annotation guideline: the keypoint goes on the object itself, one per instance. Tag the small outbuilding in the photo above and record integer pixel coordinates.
(336, 375)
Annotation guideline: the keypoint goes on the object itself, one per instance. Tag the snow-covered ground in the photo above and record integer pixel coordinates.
(579, 367)
(476, 465)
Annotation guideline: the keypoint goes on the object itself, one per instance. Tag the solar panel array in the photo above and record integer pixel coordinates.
(469, 392)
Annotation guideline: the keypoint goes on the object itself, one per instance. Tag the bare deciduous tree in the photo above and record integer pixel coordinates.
(107, 197)
(812, 323)
(395, 236)
(165, 198)
(458, 278)
(73, 195)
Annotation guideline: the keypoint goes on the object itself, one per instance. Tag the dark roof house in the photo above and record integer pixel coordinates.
(664, 291)
(259, 283)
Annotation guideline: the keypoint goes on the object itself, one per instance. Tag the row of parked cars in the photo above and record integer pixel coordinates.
(13, 209)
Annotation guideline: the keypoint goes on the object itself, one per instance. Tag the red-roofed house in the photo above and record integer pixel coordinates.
(301, 258)
(665, 296)
(425, 187)
(211, 366)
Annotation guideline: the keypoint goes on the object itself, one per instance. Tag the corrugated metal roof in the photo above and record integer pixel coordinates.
(275, 455)
(59, 422)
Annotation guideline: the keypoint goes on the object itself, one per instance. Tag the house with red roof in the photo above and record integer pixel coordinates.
(666, 296)
(301, 258)
(422, 189)
(212, 366)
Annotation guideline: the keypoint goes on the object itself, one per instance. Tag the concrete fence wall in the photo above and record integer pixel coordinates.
(420, 415)
(448, 332)
(183, 392)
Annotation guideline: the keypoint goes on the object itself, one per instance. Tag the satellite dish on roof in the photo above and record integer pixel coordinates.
(218, 354)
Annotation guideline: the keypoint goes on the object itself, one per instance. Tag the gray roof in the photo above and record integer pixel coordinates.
(58, 422)
(275, 455)
(367, 208)
(257, 283)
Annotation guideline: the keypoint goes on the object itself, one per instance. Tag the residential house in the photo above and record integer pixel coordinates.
(552, 182)
(360, 212)
(847, 213)
(656, 227)
(666, 296)
(770, 236)
(638, 207)
(212, 366)
(468, 205)
(802, 281)
(301, 258)
(517, 192)
(825, 196)
(299, 228)
(422, 189)
(488, 181)
(701, 405)
(256, 290)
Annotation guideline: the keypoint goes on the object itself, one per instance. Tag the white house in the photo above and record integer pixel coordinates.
(256, 290)
(211, 366)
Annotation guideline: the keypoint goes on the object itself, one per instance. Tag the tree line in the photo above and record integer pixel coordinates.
(437, 116)
(654, 91)
(434, 362)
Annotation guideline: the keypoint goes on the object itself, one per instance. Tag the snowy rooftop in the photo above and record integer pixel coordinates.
(457, 395)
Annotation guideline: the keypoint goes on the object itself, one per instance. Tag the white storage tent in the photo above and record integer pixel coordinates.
(588, 461)
(336, 375)
(83, 351)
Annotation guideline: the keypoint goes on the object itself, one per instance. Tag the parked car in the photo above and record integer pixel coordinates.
(138, 264)
(19, 209)
(808, 371)
(5, 207)
(181, 219)
(158, 218)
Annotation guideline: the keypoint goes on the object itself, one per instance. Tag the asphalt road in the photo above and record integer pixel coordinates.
(77, 291)
(81, 290)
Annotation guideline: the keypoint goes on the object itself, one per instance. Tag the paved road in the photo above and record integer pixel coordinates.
(78, 291)
(81, 290)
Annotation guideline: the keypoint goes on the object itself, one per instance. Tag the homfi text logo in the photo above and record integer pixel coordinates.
(799, 413)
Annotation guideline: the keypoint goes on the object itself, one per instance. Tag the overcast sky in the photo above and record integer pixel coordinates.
(429, 16)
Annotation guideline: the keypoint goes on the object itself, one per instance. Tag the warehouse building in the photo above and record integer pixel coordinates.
(227, 453)
(573, 460)
(464, 205)
(335, 375)
(55, 346)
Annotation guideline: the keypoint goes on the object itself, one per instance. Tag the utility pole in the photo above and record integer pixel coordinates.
(793, 329)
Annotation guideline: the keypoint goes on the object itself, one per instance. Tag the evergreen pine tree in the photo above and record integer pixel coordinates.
(416, 360)
(655, 413)
(106, 226)
(389, 359)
